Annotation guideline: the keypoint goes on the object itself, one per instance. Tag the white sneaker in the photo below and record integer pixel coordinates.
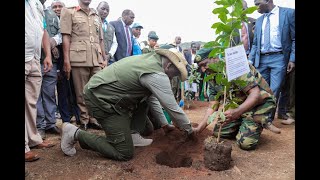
(67, 140)
(288, 121)
(138, 140)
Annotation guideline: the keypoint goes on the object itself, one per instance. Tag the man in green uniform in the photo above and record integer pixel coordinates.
(83, 50)
(247, 121)
(113, 97)
(152, 41)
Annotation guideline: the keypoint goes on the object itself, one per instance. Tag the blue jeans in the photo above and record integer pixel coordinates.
(46, 104)
(273, 69)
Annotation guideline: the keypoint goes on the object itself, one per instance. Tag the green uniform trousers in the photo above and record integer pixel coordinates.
(117, 143)
(247, 132)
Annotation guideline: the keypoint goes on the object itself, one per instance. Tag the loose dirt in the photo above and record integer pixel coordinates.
(274, 158)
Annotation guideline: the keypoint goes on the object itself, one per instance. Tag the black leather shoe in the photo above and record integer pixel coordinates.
(53, 130)
(95, 126)
(84, 127)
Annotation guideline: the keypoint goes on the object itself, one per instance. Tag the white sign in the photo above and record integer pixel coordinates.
(236, 62)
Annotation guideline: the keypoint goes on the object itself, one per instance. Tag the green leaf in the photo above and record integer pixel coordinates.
(239, 82)
(231, 1)
(215, 106)
(214, 52)
(222, 117)
(211, 44)
(217, 96)
(209, 77)
(219, 78)
(212, 117)
(217, 67)
(249, 10)
(216, 25)
(226, 28)
(231, 105)
(223, 17)
(220, 10)
(221, 2)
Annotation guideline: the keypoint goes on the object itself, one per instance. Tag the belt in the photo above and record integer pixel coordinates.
(271, 53)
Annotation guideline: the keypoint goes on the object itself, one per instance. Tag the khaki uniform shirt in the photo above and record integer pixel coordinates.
(86, 32)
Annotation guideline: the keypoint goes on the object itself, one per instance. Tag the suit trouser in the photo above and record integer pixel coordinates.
(32, 79)
(67, 104)
(273, 69)
(81, 76)
(287, 95)
(46, 105)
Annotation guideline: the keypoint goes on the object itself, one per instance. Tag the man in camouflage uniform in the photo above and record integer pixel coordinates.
(247, 121)
(83, 50)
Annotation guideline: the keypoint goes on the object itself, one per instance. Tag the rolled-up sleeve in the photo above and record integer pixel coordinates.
(159, 85)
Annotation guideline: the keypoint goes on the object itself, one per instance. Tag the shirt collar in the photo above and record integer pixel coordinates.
(124, 25)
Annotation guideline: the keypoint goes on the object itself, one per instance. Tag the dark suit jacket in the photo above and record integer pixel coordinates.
(287, 30)
(121, 39)
(251, 22)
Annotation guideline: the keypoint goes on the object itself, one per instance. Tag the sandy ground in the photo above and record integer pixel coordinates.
(274, 158)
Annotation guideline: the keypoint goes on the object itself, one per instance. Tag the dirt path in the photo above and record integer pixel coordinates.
(274, 158)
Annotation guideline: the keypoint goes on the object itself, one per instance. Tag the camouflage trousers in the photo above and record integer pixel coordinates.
(248, 128)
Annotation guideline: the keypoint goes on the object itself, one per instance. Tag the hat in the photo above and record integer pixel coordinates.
(176, 58)
(202, 54)
(153, 36)
(137, 25)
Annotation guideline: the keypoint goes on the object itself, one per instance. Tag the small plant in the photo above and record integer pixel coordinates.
(231, 15)
(194, 76)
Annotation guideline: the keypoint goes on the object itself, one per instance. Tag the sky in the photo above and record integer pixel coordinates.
(189, 19)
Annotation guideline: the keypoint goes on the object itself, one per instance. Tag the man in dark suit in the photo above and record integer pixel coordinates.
(123, 34)
(273, 47)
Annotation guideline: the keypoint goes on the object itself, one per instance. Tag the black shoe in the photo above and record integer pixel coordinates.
(84, 127)
(95, 126)
(53, 130)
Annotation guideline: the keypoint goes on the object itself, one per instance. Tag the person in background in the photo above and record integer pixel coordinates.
(83, 50)
(109, 38)
(152, 41)
(136, 31)
(35, 35)
(123, 34)
(273, 47)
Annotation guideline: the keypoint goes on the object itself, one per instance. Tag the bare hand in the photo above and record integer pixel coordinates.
(231, 115)
(67, 69)
(290, 67)
(103, 64)
(55, 52)
(53, 43)
(47, 64)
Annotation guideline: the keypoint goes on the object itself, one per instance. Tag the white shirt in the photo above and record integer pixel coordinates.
(34, 28)
(275, 34)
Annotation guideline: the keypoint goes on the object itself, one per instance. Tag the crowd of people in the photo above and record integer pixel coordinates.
(82, 65)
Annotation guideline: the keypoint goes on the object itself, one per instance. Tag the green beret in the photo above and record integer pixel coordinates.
(202, 54)
(153, 36)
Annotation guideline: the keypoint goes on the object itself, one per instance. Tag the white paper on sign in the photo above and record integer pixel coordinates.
(236, 62)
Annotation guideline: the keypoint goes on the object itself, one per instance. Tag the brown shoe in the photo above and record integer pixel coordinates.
(43, 145)
(30, 156)
(288, 121)
(272, 128)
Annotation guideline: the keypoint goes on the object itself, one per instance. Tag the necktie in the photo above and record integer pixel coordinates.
(267, 33)
(129, 47)
(105, 25)
(244, 37)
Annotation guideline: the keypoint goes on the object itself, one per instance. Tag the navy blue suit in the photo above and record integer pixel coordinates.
(273, 66)
(121, 39)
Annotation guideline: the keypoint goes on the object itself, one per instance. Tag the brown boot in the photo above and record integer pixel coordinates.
(273, 128)
(30, 156)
